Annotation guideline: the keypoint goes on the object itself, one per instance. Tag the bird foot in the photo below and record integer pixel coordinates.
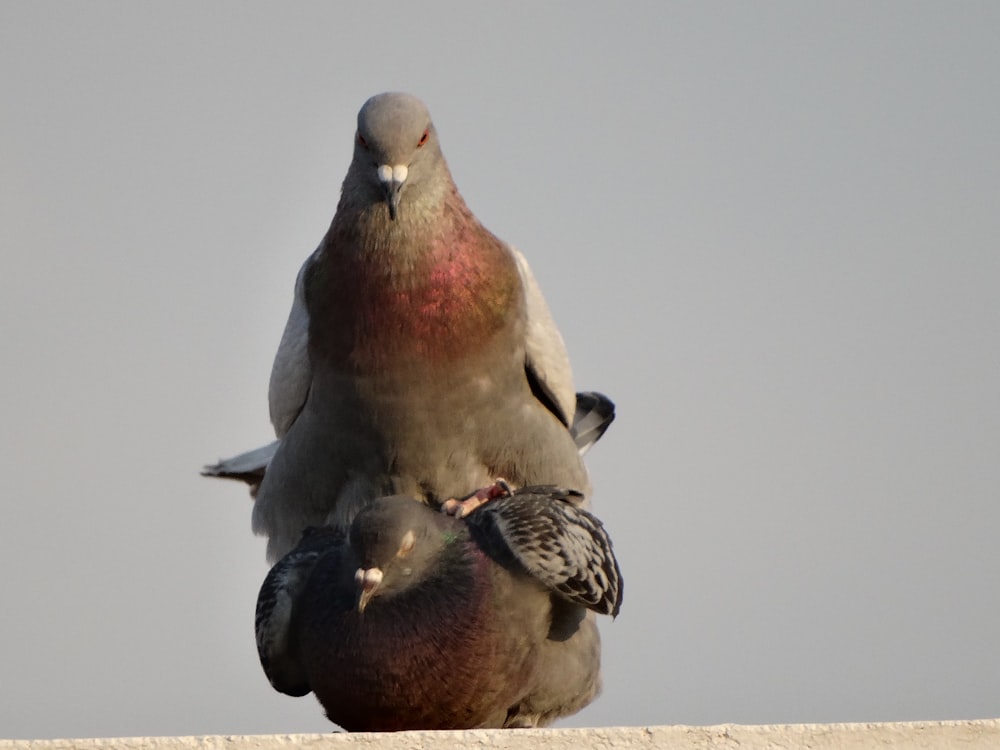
(462, 508)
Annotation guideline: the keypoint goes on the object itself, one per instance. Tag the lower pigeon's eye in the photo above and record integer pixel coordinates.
(407, 544)
(423, 139)
(362, 142)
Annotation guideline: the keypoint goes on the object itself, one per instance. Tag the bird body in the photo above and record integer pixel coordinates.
(418, 620)
(594, 414)
(419, 357)
(438, 672)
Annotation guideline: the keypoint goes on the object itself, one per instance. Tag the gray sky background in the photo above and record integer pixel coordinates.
(770, 231)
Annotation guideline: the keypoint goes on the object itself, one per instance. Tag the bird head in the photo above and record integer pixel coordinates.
(396, 150)
(369, 579)
(395, 541)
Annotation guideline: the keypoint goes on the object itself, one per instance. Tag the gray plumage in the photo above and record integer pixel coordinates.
(417, 620)
(419, 357)
(594, 414)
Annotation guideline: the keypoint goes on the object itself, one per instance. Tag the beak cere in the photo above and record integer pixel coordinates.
(368, 581)
(392, 179)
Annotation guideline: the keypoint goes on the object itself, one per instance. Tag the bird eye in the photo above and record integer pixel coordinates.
(362, 142)
(407, 544)
(423, 139)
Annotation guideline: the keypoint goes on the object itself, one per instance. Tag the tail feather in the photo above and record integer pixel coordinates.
(247, 467)
(594, 414)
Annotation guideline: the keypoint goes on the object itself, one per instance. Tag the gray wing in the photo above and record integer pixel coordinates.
(291, 376)
(594, 414)
(547, 359)
(291, 373)
(560, 545)
(276, 604)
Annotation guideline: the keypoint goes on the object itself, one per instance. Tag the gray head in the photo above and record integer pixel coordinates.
(396, 541)
(396, 148)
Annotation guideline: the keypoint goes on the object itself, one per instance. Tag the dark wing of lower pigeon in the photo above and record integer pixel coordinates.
(276, 605)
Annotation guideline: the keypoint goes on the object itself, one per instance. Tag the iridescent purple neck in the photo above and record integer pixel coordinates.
(405, 291)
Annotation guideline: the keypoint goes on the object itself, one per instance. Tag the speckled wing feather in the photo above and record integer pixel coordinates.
(276, 603)
(562, 546)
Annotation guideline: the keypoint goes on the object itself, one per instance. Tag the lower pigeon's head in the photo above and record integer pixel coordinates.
(396, 542)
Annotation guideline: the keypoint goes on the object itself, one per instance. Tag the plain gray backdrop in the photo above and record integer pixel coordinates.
(770, 231)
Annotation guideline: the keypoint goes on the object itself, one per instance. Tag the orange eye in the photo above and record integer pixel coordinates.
(361, 141)
(423, 139)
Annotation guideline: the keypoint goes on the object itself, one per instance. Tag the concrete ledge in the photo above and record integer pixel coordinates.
(969, 735)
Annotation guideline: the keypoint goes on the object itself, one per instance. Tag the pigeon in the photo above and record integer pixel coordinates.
(414, 619)
(419, 357)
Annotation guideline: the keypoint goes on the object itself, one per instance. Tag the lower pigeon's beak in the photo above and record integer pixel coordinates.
(368, 581)
(392, 179)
